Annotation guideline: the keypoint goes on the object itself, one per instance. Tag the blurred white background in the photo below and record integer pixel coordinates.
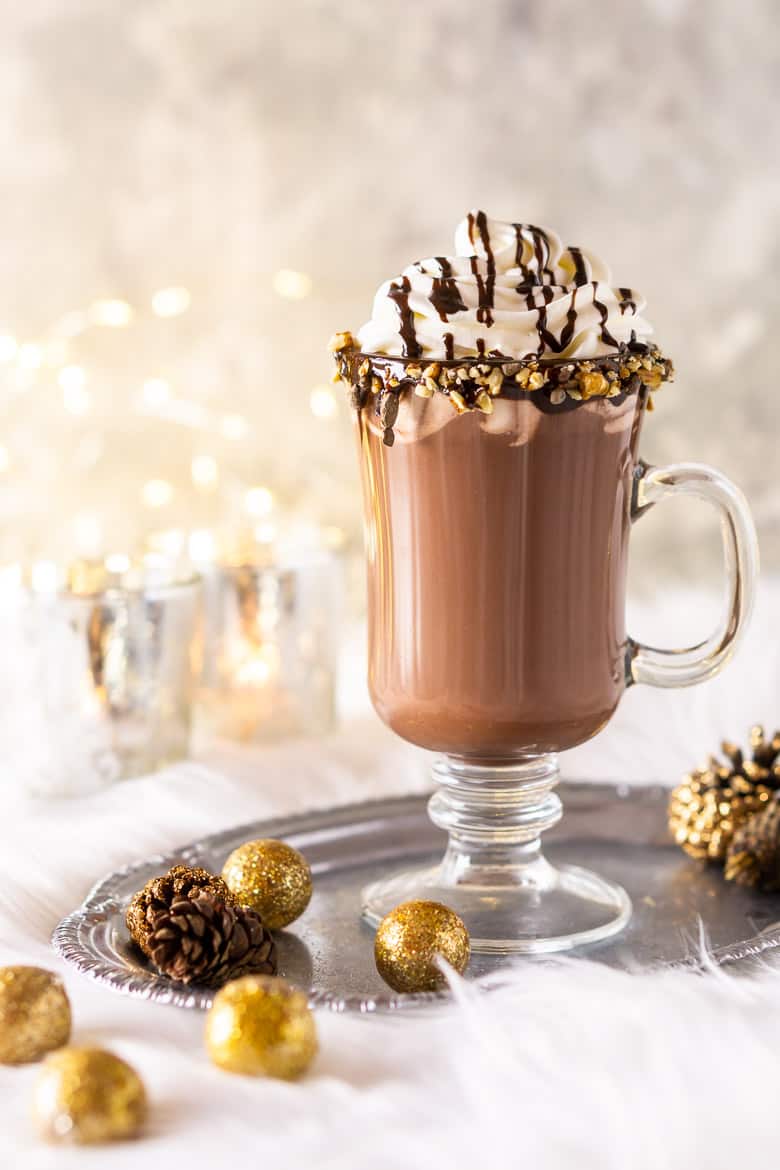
(278, 161)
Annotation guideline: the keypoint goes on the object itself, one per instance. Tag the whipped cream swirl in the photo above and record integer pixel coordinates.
(513, 290)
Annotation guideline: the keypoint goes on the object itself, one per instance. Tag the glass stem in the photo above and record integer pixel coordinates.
(495, 815)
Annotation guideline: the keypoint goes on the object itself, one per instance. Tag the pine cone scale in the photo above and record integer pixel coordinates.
(239, 943)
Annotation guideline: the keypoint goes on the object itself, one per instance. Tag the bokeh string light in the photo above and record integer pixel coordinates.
(259, 501)
(205, 472)
(50, 354)
(157, 493)
(112, 314)
(88, 380)
(323, 403)
(292, 285)
(171, 302)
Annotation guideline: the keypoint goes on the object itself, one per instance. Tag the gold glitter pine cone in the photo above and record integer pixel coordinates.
(712, 803)
(409, 941)
(261, 1027)
(34, 1014)
(87, 1095)
(158, 895)
(753, 857)
(270, 877)
(204, 940)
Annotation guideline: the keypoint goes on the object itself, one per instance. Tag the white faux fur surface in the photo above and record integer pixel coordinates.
(571, 1066)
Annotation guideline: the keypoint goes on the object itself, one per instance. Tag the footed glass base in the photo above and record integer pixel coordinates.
(553, 910)
(493, 873)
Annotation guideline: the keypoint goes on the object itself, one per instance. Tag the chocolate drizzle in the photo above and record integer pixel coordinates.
(449, 346)
(399, 293)
(626, 300)
(547, 340)
(603, 312)
(541, 246)
(485, 291)
(478, 223)
(580, 269)
(571, 320)
(540, 242)
(485, 287)
(518, 245)
(445, 294)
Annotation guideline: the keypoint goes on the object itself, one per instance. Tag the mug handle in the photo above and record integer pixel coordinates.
(683, 668)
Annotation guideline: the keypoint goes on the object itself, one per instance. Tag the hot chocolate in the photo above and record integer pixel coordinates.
(497, 550)
(510, 382)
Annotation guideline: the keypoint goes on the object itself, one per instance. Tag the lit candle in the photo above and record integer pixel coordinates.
(271, 636)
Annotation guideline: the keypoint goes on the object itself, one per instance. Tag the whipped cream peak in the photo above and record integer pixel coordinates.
(511, 289)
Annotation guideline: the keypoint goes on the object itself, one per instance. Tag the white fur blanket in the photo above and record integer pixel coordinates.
(572, 1066)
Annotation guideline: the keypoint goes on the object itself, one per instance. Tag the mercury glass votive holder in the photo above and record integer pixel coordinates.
(271, 643)
(100, 675)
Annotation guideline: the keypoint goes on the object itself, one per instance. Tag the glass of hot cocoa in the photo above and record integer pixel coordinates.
(498, 400)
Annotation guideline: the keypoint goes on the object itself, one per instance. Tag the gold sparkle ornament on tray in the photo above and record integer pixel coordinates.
(34, 1014)
(87, 1095)
(270, 877)
(409, 941)
(713, 802)
(261, 1026)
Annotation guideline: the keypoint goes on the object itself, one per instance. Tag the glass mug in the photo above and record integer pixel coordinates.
(497, 548)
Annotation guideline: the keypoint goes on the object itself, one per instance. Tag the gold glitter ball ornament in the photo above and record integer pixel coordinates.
(34, 1014)
(712, 803)
(262, 1027)
(409, 940)
(270, 877)
(88, 1095)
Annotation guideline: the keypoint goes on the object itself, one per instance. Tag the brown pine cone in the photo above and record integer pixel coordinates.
(205, 940)
(182, 881)
(753, 858)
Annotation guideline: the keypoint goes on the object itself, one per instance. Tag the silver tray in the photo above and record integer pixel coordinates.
(619, 831)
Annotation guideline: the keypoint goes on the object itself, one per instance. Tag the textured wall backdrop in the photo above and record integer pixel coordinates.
(187, 143)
